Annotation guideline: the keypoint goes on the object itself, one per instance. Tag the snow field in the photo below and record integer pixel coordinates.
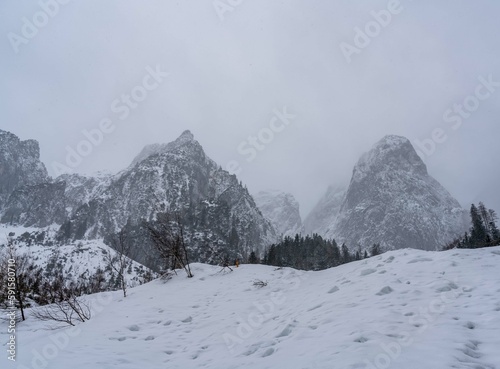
(403, 309)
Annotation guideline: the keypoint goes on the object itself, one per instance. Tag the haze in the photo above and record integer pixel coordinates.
(231, 67)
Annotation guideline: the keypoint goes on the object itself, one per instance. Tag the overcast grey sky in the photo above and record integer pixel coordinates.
(231, 66)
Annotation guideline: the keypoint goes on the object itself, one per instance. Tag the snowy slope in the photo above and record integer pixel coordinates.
(81, 258)
(403, 309)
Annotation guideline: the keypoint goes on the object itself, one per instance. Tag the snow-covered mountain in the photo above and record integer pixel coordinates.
(322, 217)
(177, 176)
(20, 165)
(80, 189)
(21, 171)
(407, 309)
(282, 210)
(392, 200)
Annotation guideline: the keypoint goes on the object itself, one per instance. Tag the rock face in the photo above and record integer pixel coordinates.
(39, 205)
(20, 165)
(177, 176)
(323, 216)
(282, 210)
(80, 189)
(392, 200)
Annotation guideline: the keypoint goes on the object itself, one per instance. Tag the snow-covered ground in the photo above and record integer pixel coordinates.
(403, 309)
(76, 259)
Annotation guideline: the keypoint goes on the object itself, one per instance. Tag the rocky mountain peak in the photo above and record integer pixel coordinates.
(20, 164)
(390, 153)
(393, 200)
(185, 136)
(185, 139)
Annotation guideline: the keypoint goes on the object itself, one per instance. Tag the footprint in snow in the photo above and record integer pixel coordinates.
(285, 332)
(367, 272)
(333, 289)
(389, 259)
(384, 291)
(361, 339)
(268, 352)
(315, 307)
(419, 260)
(133, 328)
(187, 320)
(470, 325)
(447, 287)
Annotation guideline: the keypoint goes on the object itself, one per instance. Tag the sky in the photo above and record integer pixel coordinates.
(287, 94)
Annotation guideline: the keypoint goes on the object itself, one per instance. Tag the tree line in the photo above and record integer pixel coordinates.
(483, 231)
(311, 252)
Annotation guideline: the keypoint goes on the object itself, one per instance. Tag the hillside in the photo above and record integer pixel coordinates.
(403, 309)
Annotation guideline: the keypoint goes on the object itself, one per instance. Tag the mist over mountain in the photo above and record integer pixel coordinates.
(282, 209)
(392, 200)
(219, 214)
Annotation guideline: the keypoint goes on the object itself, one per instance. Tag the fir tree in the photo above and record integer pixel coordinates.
(478, 233)
(253, 258)
(346, 256)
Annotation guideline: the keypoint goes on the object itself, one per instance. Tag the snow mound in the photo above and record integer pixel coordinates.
(441, 313)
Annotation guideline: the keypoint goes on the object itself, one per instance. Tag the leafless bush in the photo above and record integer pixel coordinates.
(167, 235)
(68, 311)
(119, 262)
(258, 283)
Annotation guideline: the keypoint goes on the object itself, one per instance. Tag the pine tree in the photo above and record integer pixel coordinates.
(346, 256)
(375, 249)
(253, 258)
(478, 231)
(495, 233)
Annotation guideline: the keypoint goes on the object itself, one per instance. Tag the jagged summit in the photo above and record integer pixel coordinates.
(20, 164)
(185, 138)
(391, 152)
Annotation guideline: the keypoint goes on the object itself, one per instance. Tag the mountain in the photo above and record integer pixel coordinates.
(392, 200)
(282, 210)
(322, 217)
(20, 165)
(80, 189)
(178, 176)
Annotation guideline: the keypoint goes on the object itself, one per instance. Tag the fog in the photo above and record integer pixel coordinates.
(288, 93)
